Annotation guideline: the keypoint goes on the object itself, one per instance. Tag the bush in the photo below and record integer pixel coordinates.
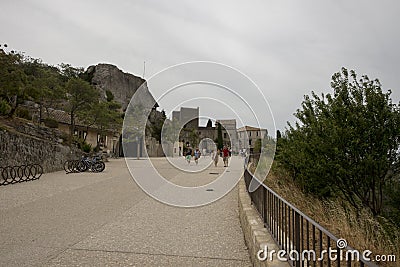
(4, 107)
(86, 147)
(51, 123)
(23, 113)
(345, 144)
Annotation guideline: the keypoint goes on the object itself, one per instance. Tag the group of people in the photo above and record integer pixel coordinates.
(225, 153)
(190, 153)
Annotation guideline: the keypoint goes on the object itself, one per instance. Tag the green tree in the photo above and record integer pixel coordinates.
(220, 140)
(109, 96)
(170, 131)
(13, 80)
(80, 95)
(156, 122)
(345, 144)
(104, 116)
(44, 84)
(193, 138)
(257, 146)
(68, 72)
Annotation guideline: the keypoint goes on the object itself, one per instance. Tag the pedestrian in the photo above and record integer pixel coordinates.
(188, 155)
(215, 157)
(197, 154)
(225, 155)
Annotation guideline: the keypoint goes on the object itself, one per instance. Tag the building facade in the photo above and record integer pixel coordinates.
(248, 136)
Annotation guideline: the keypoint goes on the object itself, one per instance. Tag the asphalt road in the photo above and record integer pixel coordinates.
(105, 219)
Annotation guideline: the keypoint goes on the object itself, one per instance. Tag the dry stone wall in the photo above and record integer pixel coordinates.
(19, 149)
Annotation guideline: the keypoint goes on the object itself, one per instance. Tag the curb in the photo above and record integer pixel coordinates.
(256, 235)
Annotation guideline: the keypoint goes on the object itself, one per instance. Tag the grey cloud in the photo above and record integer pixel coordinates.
(287, 47)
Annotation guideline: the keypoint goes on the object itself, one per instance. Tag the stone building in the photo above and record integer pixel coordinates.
(229, 134)
(107, 140)
(191, 133)
(248, 135)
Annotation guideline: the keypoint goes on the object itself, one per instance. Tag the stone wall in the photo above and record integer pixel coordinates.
(18, 148)
(255, 234)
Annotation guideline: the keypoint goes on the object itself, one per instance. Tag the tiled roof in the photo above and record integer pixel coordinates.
(62, 117)
(249, 128)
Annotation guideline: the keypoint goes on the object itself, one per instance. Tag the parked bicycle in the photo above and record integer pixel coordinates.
(94, 164)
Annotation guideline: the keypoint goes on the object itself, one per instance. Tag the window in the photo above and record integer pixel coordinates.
(249, 133)
(257, 133)
(224, 135)
(250, 142)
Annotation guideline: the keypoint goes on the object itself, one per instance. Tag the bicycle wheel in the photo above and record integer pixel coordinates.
(67, 168)
(99, 166)
(81, 166)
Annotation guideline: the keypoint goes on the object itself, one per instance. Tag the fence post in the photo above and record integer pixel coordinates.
(297, 237)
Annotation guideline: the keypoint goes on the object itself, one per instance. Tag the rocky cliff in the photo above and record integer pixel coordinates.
(122, 85)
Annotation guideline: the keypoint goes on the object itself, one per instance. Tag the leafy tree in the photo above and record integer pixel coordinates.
(134, 122)
(346, 143)
(45, 85)
(155, 125)
(80, 95)
(68, 72)
(13, 80)
(278, 134)
(193, 137)
(220, 140)
(257, 146)
(170, 131)
(109, 96)
(104, 116)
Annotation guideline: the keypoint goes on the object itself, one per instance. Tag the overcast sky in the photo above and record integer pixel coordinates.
(288, 48)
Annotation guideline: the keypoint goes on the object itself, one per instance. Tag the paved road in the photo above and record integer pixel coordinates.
(105, 219)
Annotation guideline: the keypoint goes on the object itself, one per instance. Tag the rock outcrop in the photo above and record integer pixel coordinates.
(122, 85)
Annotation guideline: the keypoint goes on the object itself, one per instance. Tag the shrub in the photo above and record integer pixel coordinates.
(51, 123)
(23, 113)
(86, 147)
(4, 107)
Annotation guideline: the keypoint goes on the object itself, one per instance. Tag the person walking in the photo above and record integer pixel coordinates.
(188, 155)
(197, 154)
(225, 155)
(215, 157)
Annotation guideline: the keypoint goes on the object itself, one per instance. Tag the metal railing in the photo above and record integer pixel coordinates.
(305, 242)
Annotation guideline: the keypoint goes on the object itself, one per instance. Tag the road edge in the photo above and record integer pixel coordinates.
(255, 234)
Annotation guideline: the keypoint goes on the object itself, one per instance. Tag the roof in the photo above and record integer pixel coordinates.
(232, 121)
(250, 128)
(62, 117)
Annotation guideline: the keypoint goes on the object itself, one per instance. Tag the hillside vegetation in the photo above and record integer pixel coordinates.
(340, 162)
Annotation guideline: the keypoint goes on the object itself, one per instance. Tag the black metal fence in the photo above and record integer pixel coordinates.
(305, 242)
